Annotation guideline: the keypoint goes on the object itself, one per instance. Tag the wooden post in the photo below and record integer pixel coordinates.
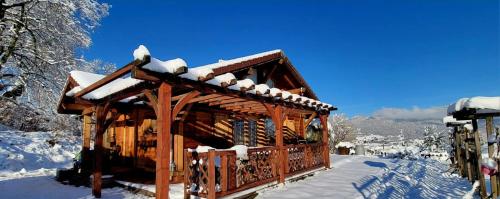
(99, 131)
(477, 143)
(223, 173)
(187, 194)
(491, 151)
(163, 141)
(326, 154)
(211, 174)
(86, 131)
(278, 124)
(467, 156)
(498, 162)
(458, 150)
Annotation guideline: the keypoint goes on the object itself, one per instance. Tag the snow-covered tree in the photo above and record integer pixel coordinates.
(434, 139)
(340, 130)
(38, 44)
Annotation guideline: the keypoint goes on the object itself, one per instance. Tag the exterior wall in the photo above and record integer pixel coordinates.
(133, 136)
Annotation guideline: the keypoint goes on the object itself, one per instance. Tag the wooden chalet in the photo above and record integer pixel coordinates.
(147, 114)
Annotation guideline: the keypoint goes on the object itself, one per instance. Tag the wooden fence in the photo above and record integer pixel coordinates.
(218, 173)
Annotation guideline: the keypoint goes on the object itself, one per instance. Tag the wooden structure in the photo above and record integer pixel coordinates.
(146, 117)
(468, 158)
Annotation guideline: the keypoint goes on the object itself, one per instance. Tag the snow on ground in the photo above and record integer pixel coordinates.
(371, 177)
(28, 162)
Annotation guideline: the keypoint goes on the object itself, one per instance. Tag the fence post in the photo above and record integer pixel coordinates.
(211, 174)
(223, 172)
(186, 175)
(467, 156)
(491, 150)
(478, 158)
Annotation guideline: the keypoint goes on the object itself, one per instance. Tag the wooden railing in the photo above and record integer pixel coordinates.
(220, 173)
(303, 157)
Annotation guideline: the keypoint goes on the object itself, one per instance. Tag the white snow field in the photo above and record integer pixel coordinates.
(372, 177)
(28, 163)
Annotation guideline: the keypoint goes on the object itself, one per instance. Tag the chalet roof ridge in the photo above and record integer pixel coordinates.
(223, 62)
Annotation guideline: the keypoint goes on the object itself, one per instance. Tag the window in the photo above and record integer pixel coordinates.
(238, 132)
(269, 128)
(252, 129)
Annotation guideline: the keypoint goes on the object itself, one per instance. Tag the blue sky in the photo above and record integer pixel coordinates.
(359, 55)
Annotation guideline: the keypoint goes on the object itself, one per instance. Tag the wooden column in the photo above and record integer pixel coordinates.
(163, 140)
(498, 162)
(86, 131)
(477, 143)
(302, 127)
(278, 124)
(179, 146)
(458, 149)
(211, 174)
(326, 149)
(491, 151)
(100, 128)
(467, 155)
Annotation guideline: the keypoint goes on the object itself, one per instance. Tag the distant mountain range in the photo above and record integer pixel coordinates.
(410, 128)
(385, 127)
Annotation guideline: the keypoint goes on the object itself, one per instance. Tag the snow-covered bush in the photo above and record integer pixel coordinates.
(434, 139)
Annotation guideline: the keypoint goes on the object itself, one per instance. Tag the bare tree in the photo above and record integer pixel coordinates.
(340, 130)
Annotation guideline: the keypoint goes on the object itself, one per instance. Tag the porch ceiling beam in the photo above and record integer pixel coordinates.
(210, 91)
(239, 104)
(216, 99)
(201, 98)
(113, 76)
(228, 101)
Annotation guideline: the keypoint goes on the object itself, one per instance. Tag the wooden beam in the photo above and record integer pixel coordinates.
(205, 97)
(113, 76)
(268, 75)
(222, 97)
(239, 104)
(163, 141)
(309, 120)
(153, 100)
(227, 101)
(183, 101)
(297, 91)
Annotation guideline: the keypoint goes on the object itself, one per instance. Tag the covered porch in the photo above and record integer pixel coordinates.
(171, 91)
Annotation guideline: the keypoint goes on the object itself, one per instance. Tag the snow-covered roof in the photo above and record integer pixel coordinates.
(480, 104)
(345, 144)
(453, 121)
(224, 63)
(85, 79)
(200, 73)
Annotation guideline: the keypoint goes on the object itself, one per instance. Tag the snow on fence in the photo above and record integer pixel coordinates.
(218, 173)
